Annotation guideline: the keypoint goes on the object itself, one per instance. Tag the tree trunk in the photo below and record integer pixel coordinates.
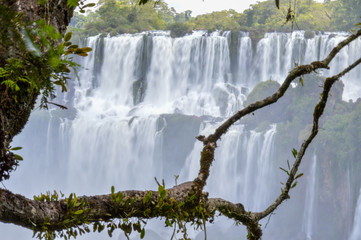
(14, 113)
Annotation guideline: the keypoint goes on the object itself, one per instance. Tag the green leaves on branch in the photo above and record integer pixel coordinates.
(70, 48)
(82, 6)
(16, 156)
(294, 153)
(74, 223)
(301, 81)
(48, 196)
(288, 172)
(37, 63)
(147, 197)
(116, 197)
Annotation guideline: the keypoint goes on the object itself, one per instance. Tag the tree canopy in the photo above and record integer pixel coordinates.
(338, 15)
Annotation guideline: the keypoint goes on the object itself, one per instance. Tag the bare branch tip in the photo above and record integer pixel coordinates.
(201, 138)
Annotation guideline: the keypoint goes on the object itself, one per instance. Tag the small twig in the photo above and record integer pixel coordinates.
(156, 180)
(58, 105)
(269, 218)
(174, 229)
(318, 112)
(205, 229)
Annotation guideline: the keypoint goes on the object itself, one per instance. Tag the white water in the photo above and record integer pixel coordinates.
(243, 169)
(277, 53)
(356, 229)
(308, 225)
(121, 137)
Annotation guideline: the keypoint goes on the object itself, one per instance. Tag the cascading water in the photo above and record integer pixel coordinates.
(277, 53)
(356, 229)
(243, 167)
(308, 224)
(141, 100)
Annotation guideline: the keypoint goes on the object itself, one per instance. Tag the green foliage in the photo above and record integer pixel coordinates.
(75, 221)
(341, 134)
(339, 127)
(262, 90)
(17, 157)
(179, 29)
(177, 214)
(222, 20)
(118, 17)
(346, 13)
(36, 63)
(48, 196)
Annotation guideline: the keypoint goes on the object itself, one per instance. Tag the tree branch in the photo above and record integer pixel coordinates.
(319, 109)
(206, 159)
(34, 214)
(210, 145)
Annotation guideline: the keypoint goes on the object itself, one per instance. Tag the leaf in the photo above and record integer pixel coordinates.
(192, 197)
(285, 171)
(299, 175)
(3, 72)
(294, 185)
(301, 81)
(95, 226)
(63, 87)
(147, 198)
(277, 3)
(15, 148)
(83, 54)
(86, 49)
(72, 3)
(16, 87)
(294, 152)
(79, 212)
(70, 199)
(288, 164)
(67, 36)
(169, 224)
(73, 46)
(58, 105)
(18, 157)
(89, 5)
(142, 233)
(66, 69)
(162, 194)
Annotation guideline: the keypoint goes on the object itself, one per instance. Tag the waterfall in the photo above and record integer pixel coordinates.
(245, 58)
(356, 229)
(308, 225)
(243, 169)
(277, 53)
(142, 98)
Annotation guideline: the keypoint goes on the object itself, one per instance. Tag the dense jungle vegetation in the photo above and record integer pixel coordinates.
(124, 16)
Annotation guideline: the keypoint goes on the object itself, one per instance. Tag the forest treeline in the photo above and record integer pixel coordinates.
(127, 16)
